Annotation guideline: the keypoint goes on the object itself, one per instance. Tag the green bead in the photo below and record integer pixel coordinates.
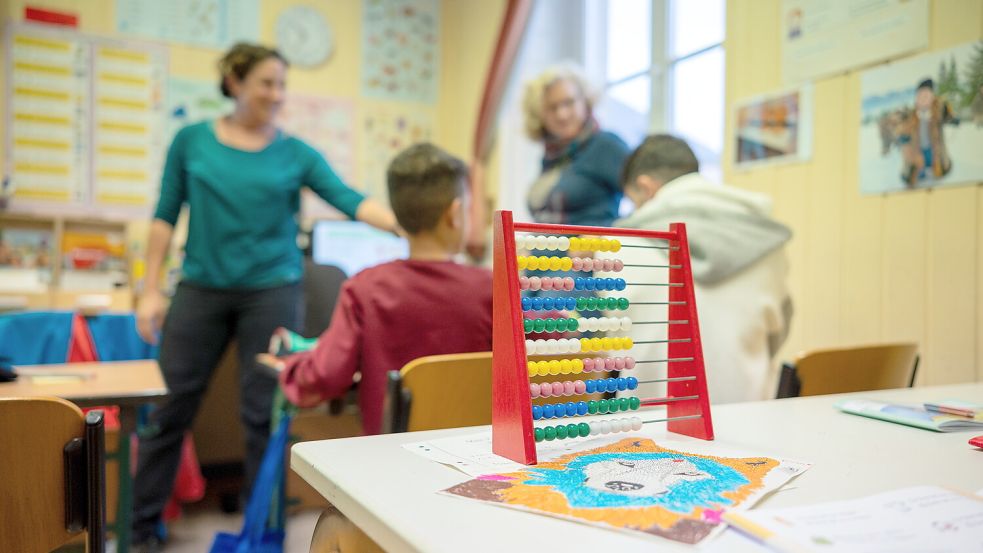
(612, 303)
(539, 325)
(549, 433)
(634, 403)
(550, 325)
(538, 432)
(592, 407)
(573, 430)
(584, 429)
(573, 325)
(561, 432)
(602, 406)
(614, 405)
(623, 303)
(592, 304)
(528, 325)
(623, 403)
(581, 304)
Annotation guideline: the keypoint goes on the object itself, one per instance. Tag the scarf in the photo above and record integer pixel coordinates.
(558, 151)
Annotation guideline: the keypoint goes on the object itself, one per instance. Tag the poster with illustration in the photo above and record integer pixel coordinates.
(922, 122)
(386, 130)
(638, 485)
(774, 128)
(191, 101)
(400, 50)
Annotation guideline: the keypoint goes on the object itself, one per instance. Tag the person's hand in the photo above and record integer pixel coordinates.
(150, 315)
(270, 361)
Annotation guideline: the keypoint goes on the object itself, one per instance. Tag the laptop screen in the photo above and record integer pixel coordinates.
(352, 246)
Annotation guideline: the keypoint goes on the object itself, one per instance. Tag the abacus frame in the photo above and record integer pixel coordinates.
(512, 420)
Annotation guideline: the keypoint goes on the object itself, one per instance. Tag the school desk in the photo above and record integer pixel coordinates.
(128, 384)
(390, 492)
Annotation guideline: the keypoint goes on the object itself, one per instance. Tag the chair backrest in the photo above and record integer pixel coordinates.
(53, 464)
(322, 284)
(856, 369)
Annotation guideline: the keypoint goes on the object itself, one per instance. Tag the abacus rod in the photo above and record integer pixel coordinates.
(669, 284)
(648, 247)
(663, 400)
(678, 322)
(687, 417)
(670, 341)
(657, 303)
(644, 265)
(675, 379)
(672, 360)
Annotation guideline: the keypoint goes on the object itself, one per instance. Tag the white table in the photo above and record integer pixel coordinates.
(390, 492)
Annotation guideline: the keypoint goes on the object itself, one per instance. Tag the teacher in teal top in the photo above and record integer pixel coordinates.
(241, 178)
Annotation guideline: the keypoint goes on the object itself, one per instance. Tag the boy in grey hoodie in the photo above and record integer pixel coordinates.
(738, 262)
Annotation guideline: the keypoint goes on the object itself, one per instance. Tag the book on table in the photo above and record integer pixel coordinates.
(911, 415)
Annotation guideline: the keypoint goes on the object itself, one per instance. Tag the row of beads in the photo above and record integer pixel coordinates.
(578, 387)
(562, 243)
(568, 284)
(605, 324)
(592, 303)
(544, 263)
(581, 408)
(573, 345)
(550, 325)
(582, 430)
(554, 367)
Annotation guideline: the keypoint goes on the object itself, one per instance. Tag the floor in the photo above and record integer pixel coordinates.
(195, 530)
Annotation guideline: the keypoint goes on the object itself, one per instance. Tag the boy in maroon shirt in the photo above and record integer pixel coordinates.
(393, 313)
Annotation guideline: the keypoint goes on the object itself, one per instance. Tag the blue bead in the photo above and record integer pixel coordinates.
(591, 386)
(632, 382)
(571, 303)
(537, 303)
(526, 304)
(609, 284)
(590, 283)
(578, 283)
(622, 384)
(548, 304)
(612, 384)
(581, 407)
(571, 409)
(548, 411)
(620, 283)
(537, 412)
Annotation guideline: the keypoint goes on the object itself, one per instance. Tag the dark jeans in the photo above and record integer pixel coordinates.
(199, 326)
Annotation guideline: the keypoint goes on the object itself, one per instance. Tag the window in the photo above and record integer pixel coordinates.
(662, 65)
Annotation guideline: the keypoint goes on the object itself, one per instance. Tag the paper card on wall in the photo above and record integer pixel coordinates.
(773, 128)
(190, 101)
(386, 130)
(400, 49)
(209, 23)
(637, 485)
(922, 122)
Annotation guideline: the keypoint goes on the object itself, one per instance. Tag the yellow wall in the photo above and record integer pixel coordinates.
(905, 266)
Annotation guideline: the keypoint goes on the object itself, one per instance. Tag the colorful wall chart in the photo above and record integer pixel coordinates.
(210, 23)
(400, 49)
(385, 131)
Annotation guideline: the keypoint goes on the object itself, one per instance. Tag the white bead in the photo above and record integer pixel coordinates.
(551, 243)
(552, 347)
(563, 345)
(625, 324)
(540, 243)
(608, 324)
(604, 427)
(589, 323)
(530, 347)
(625, 425)
(574, 345)
(563, 243)
(636, 424)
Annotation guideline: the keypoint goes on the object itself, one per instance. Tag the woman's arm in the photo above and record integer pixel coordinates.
(151, 305)
(377, 215)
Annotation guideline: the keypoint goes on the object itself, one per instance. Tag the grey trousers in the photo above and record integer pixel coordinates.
(199, 326)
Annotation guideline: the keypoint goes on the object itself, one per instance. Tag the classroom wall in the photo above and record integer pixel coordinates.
(866, 269)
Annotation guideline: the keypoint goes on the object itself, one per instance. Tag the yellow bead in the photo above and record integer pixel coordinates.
(578, 365)
(554, 367)
(585, 344)
(565, 366)
(532, 263)
(544, 263)
(544, 367)
(596, 344)
(566, 264)
(615, 245)
(608, 344)
(555, 263)
(605, 245)
(532, 368)
(626, 343)
(594, 244)
(575, 244)
(521, 262)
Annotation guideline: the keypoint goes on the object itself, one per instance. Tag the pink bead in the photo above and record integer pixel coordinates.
(534, 389)
(609, 363)
(629, 363)
(568, 284)
(579, 386)
(599, 364)
(546, 283)
(618, 265)
(568, 388)
(619, 363)
(588, 264)
(534, 283)
(545, 390)
(523, 283)
(557, 388)
(578, 263)
(558, 283)
(588, 364)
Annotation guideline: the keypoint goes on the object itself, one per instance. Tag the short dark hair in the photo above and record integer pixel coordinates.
(240, 60)
(926, 83)
(423, 181)
(662, 156)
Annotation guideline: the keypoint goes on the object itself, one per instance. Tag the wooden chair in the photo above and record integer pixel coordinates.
(53, 487)
(843, 370)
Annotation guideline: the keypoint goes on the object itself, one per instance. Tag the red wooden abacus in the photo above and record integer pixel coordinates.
(513, 432)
